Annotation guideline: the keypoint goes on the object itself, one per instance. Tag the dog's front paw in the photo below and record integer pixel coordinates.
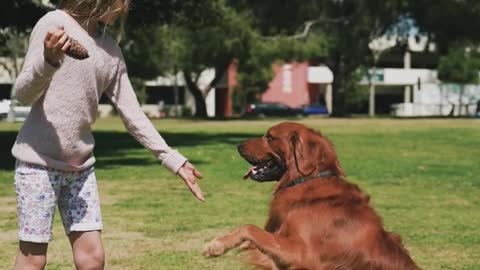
(214, 248)
(246, 245)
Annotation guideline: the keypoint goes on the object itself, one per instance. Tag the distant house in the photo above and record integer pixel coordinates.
(218, 100)
(297, 84)
(406, 84)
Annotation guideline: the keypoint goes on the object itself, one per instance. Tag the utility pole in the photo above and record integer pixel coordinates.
(176, 94)
(407, 64)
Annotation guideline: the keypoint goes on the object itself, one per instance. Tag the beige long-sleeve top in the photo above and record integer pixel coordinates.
(57, 132)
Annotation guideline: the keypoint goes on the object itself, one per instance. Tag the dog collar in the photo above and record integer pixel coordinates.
(303, 179)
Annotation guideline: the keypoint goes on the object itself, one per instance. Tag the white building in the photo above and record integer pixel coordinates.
(419, 91)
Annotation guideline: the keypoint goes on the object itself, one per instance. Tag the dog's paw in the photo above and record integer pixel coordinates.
(245, 245)
(214, 248)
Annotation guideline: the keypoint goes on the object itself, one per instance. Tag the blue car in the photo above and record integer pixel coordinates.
(311, 109)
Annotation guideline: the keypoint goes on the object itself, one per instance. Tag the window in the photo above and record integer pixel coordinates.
(287, 78)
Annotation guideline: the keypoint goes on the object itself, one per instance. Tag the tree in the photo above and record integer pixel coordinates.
(453, 26)
(447, 22)
(14, 48)
(17, 18)
(190, 36)
(255, 68)
(212, 46)
(459, 67)
(348, 26)
(20, 14)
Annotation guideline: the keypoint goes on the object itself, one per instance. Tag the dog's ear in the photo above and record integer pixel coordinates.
(312, 151)
(304, 157)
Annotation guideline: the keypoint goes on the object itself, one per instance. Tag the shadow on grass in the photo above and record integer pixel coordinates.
(111, 147)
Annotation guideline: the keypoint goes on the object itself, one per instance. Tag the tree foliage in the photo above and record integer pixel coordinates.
(17, 18)
(346, 26)
(20, 14)
(197, 36)
(167, 36)
(447, 22)
(459, 66)
(338, 33)
(208, 34)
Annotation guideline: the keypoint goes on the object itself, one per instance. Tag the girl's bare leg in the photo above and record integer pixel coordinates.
(88, 250)
(31, 256)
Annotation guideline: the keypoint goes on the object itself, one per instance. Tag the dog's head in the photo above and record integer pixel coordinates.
(289, 150)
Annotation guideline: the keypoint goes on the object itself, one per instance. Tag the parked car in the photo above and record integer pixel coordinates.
(271, 109)
(316, 108)
(4, 108)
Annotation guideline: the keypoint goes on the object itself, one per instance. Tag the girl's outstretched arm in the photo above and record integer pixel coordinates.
(141, 128)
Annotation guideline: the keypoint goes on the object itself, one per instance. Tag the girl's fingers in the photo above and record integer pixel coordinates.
(189, 165)
(197, 173)
(193, 169)
(192, 185)
(66, 45)
(56, 36)
(55, 43)
(191, 180)
(48, 36)
(195, 189)
(53, 36)
(61, 41)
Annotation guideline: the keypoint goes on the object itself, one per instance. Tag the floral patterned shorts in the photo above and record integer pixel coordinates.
(40, 189)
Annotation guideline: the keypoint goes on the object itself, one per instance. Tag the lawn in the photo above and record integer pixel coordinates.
(423, 176)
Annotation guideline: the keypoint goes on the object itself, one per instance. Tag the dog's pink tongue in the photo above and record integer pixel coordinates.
(250, 172)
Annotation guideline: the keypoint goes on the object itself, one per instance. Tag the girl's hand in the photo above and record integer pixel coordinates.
(190, 176)
(55, 45)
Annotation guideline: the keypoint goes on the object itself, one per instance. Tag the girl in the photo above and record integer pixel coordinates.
(54, 147)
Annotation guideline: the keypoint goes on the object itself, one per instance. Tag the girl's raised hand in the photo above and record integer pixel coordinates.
(55, 45)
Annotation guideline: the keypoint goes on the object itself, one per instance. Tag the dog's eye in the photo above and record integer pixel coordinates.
(269, 138)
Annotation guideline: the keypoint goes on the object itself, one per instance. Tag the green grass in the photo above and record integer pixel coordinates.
(423, 176)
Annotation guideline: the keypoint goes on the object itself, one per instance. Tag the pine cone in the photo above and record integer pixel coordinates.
(76, 50)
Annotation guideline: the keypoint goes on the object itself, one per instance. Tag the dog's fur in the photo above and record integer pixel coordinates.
(325, 223)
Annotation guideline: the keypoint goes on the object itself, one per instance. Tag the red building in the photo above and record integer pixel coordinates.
(293, 84)
(224, 90)
(296, 84)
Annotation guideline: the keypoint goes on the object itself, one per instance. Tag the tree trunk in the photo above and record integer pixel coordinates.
(461, 108)
(200, 105)
(198, 94)
(176, 94)
(341, 74)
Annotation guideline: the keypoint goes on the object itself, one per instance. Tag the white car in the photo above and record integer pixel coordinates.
(4, 108)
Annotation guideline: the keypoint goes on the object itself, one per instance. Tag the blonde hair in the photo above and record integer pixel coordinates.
(87, 10)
